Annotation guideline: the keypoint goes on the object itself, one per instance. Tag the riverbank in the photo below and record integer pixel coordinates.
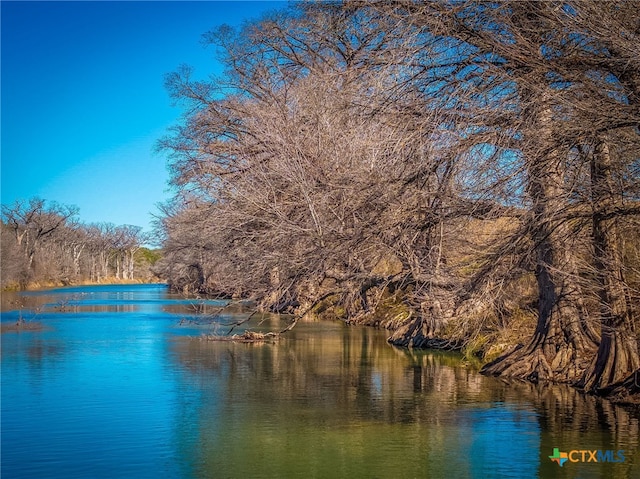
(479, 338)
(42, 285)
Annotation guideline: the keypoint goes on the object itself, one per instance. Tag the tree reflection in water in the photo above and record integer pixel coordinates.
(334, 401)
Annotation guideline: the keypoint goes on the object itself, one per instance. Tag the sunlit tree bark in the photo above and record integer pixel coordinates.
(617, 357)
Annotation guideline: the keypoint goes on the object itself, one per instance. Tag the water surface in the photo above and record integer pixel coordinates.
(118, 385)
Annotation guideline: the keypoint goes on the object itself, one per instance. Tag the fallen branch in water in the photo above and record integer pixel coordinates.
(242, 321)
(207, 319)
(246, 337)
(254, 337)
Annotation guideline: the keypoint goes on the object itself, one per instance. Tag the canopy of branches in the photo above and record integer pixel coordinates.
(442, 165)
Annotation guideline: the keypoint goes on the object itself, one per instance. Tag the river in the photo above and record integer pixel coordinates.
(115, 383)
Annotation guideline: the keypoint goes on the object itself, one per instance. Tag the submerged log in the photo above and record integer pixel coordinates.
(246, 337)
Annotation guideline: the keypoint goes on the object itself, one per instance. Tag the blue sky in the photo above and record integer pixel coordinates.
(83, 101)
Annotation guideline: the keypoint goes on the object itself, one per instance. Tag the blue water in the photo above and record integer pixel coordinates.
(116, 384)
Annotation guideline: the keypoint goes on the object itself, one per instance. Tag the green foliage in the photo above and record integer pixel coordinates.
(149, 256)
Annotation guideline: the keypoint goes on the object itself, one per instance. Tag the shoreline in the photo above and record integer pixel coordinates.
(40, 286)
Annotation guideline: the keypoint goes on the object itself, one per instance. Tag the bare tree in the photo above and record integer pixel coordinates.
(46, 243)
(33, 222)
(351, 151)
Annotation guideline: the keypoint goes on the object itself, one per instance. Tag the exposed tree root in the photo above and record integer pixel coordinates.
(624, 392)
(617, 358)
(535, 364)
(558, 352)
(418, 333)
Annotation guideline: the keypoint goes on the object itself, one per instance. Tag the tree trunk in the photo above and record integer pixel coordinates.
(104, 263)
(77, 252)
(130, 266)
(562, 344)
(617, 355)
(31, 259)
(427, 328)
(93, 273)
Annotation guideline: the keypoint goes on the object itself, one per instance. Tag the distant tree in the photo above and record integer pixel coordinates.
(33, 222)
(13, 264)
(45, 242)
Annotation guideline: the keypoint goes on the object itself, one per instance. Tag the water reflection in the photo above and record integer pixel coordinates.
(342, 403)
(118, 385)
(31, 305)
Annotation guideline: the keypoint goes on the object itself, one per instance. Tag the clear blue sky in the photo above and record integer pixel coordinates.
(83, 101)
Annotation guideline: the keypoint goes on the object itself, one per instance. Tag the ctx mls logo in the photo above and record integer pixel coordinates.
(583, 455)
(559, 457)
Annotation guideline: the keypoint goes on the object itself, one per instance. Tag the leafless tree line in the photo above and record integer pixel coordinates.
(433, 167)
(45, 243)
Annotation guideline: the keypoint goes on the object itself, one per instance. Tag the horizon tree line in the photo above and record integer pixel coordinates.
(44, 242)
